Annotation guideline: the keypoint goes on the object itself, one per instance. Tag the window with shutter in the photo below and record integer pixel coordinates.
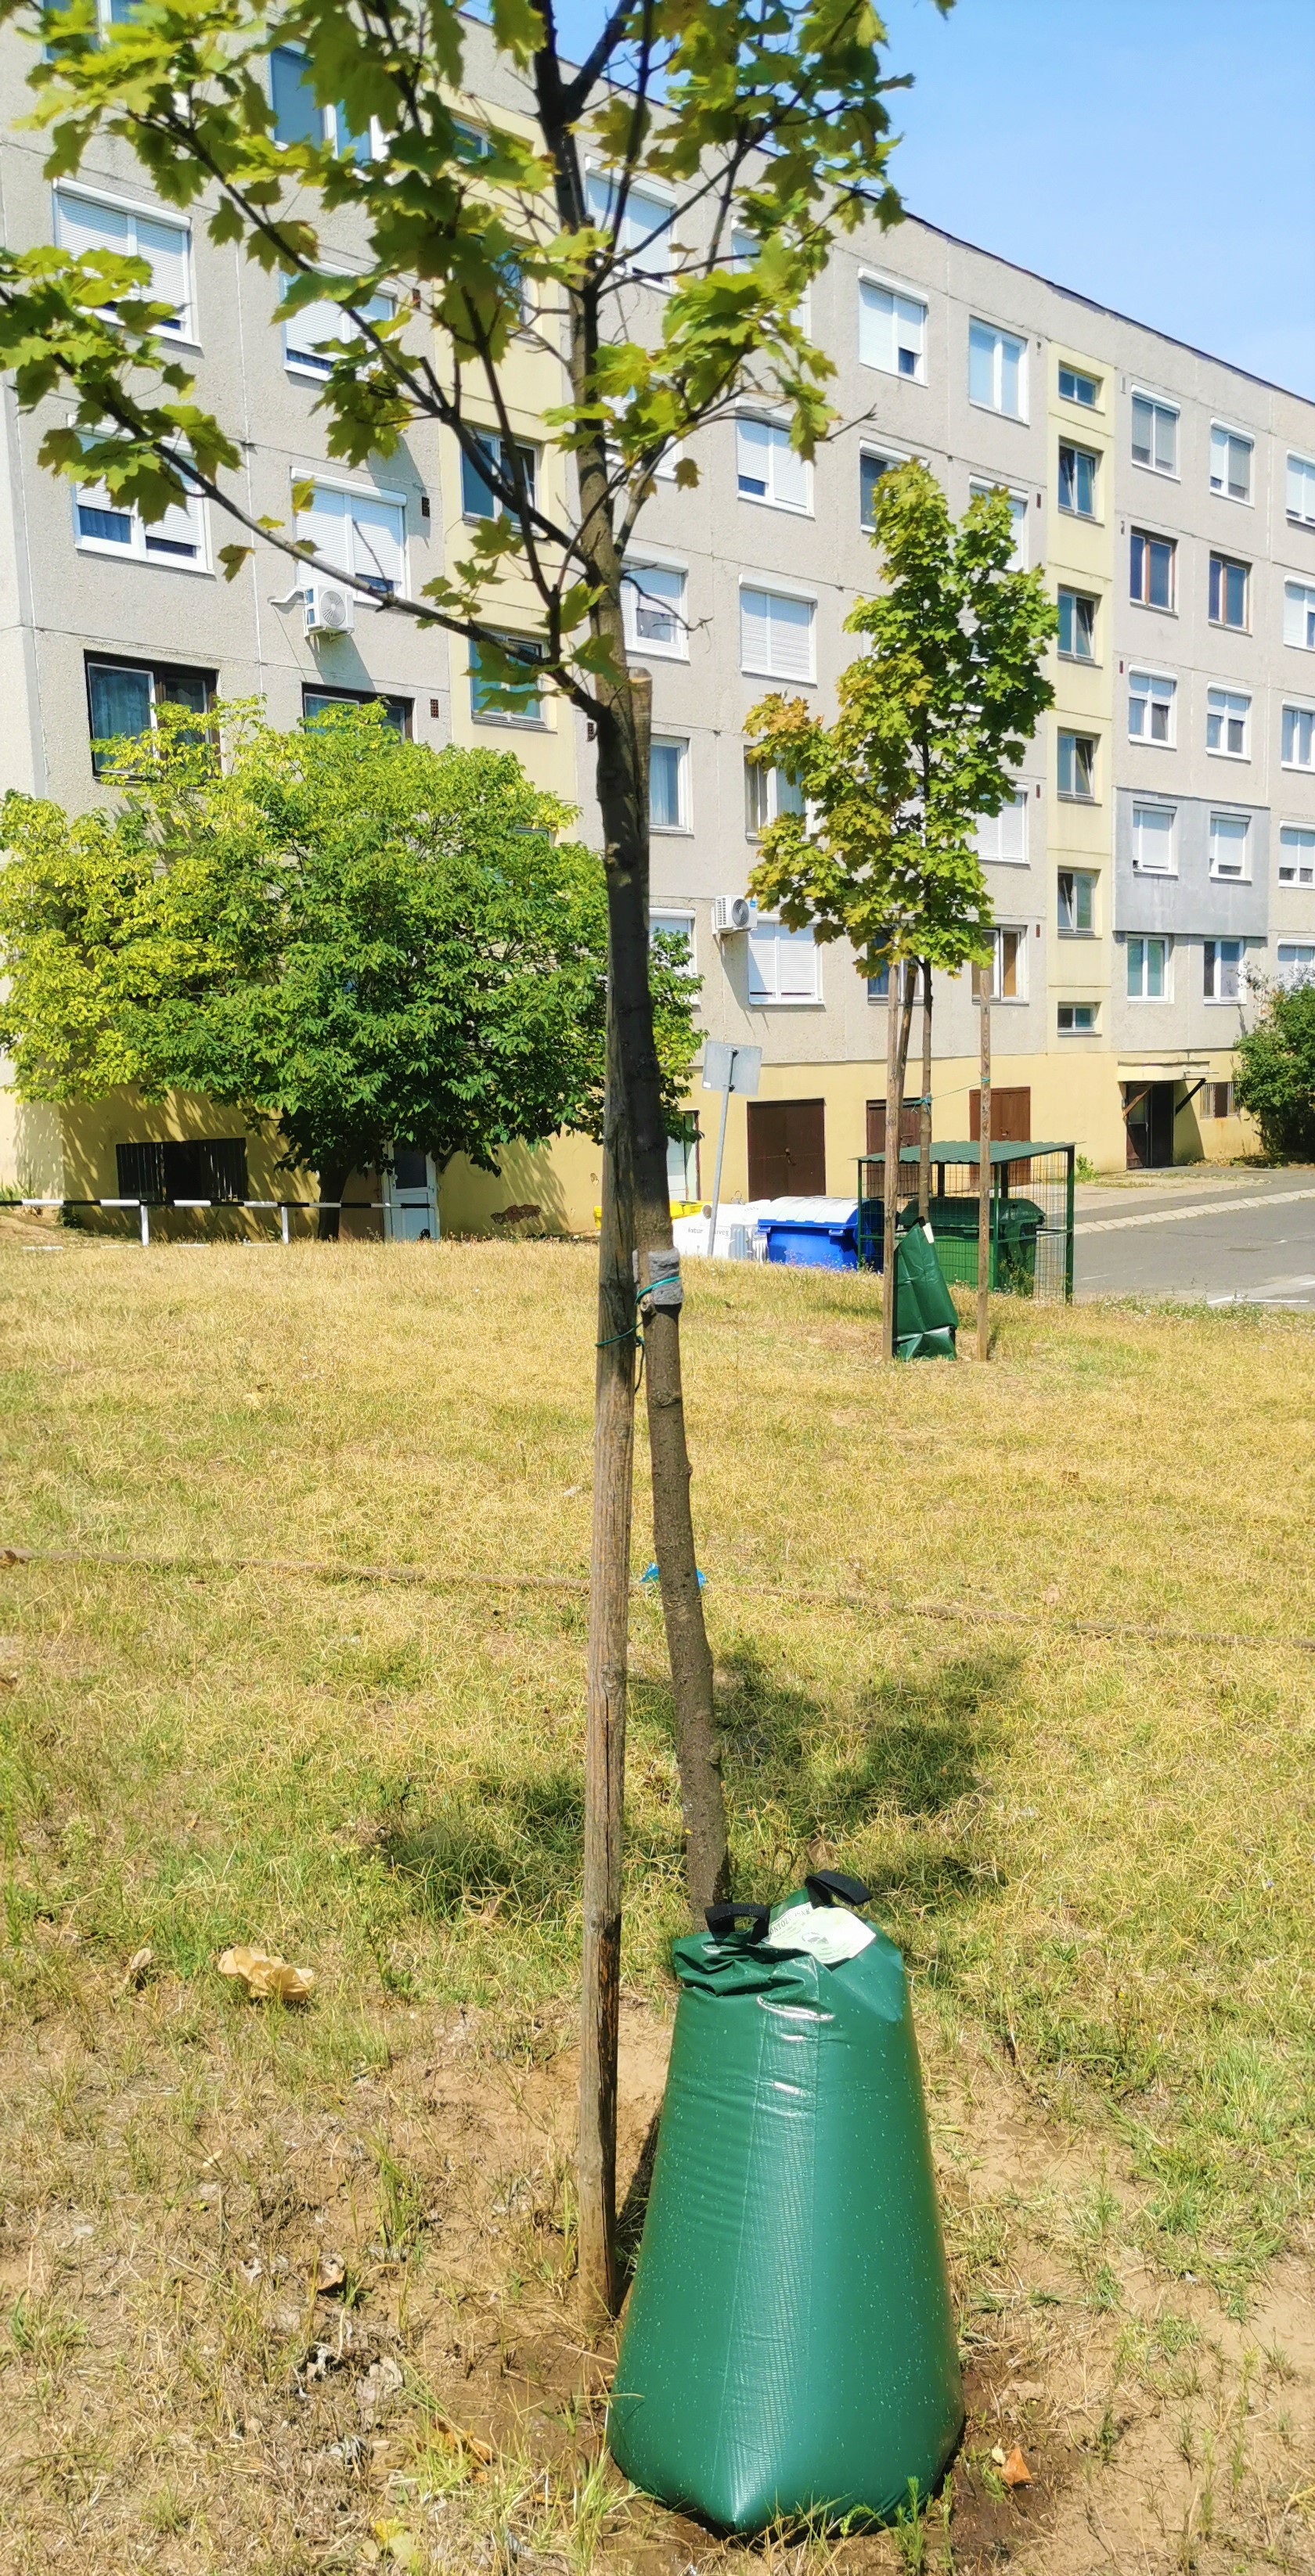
(776, 634)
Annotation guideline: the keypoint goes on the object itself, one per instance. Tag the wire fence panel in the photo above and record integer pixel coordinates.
(1031, 1215)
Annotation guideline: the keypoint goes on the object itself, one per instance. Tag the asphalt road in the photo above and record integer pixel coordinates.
(1224, 1236)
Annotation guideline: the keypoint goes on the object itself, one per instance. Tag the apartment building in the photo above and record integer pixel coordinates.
(1160, 848)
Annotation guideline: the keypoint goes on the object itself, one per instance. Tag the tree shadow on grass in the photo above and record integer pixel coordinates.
(513, 1842)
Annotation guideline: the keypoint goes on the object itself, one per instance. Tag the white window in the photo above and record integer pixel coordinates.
(892, 331)
(106, 525)
(768, 467)
(1077, 480)
(1002, 837)
(1230, 846)
(1075, 386)
(783, 964)
(1077, 766)
(85, 224)
(997, 370)
(1301, 489)
(1299, 615)
(653, 596)
(1296, 961)
(505, 458)
(776, 634)
(1296, 859)
(1077, 625)
(361, 534)
(1152, 698)
(1230, 463)
(1299, 737)
(499, 694)
(1148, 970)
(1009, 965)
(1153, 840)
(1018, 516)
(643, 236)
(673, 925)
(871, 468)
(1077, 903)
(668, 783)
(1223, 970)
(298, 117)
(767, 794)
(1154, 434)
(746, 250)
(1078, 1019)
(305, 332)
(1228, 723)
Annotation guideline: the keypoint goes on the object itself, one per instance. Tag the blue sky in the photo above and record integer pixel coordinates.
(1158, 155)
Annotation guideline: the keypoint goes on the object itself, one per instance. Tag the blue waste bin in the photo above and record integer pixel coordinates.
(811, 1243)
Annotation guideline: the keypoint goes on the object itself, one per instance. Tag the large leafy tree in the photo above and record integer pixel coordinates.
(721, 149)
(934, 716)
(358, 940)
(1274, 1077)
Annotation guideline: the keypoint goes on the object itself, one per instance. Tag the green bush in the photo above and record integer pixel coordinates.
(1275, 1073)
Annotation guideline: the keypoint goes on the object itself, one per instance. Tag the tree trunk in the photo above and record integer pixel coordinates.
(605, 1713)
(924, 1114)
(984, 981)
(891, 1165)
(332, 1181)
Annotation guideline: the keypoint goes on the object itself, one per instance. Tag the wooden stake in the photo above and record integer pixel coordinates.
(924, 1114)
(890, 1169)
(984, 978)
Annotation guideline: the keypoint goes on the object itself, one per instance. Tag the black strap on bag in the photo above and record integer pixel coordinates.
(723, 1918)
(830, 1886)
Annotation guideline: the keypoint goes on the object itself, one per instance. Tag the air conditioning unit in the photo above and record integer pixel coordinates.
(330, 608)
(731, 912)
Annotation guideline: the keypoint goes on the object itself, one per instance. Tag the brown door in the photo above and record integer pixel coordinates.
(787, 1149)
(1011, 1115)
(908, 1126)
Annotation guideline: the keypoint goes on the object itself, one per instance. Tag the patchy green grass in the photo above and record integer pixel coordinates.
(1097, 1851)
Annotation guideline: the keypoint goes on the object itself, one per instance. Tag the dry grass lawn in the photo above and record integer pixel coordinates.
(282, 2290)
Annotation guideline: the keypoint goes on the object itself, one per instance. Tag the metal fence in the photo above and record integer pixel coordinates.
(1031, 1214)
(283, 1209)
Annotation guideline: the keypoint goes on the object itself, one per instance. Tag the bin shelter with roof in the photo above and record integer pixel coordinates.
(1031, 1214)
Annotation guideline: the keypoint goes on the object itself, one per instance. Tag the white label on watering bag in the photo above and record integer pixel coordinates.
(828, 1932)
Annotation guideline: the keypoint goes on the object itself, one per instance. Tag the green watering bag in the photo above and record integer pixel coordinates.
(789, 2345)
(926, 1318)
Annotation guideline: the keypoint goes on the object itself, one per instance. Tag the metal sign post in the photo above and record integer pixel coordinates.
(726, 1069)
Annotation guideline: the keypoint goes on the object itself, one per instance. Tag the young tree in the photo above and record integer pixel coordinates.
(935, 715)
(362, 942)
(729, 148)
(1274, 1077)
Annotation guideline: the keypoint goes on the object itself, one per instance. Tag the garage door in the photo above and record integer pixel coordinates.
(787, 1149)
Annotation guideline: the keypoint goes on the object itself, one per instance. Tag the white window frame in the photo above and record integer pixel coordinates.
(1294, 969)
(656, 269)
(1157, 806)
(989, 825)
(1072, 1032)
(1068, 590)
(1299, 870)
(353, 489)
(763, 999)
(770, 586)
(1083, 376)
(1229, 875)
(1144, 939)
(1075, 795)
(1172, 411)
(1072, 930)
(889, 457)
(1001, 332)
(1303, 710)
(677, 920)
(651, 648)
(1225, 429)
(1228, 714)
(138, 212)
(525, 719)
(1165, 679)
(302, 362)
(1299, 609)
(771, 777)
(1019, 505)
(1300, 471)
(138, 548)
(778, 445)
(679, 743)
(1222, 1001)
(1070, 510)
(1017, 931)
(872, 283)
(328, 116)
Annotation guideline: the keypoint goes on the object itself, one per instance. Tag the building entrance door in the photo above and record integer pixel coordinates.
(411, 1198)
(787, 1149)
(1148, 1114)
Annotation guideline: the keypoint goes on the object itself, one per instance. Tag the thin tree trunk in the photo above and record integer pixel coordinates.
(605, 1713)
(924, 1114)
(984, 1175)
(891, 1166)
(909, 971)
(331, 1182)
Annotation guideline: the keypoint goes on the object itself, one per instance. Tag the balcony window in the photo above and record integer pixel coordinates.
(1077, 903)
(1077, 480)
(1077, 766)
(1077, 626)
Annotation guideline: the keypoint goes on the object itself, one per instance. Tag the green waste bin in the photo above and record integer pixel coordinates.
(789, 2347)
(1015, 1225)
